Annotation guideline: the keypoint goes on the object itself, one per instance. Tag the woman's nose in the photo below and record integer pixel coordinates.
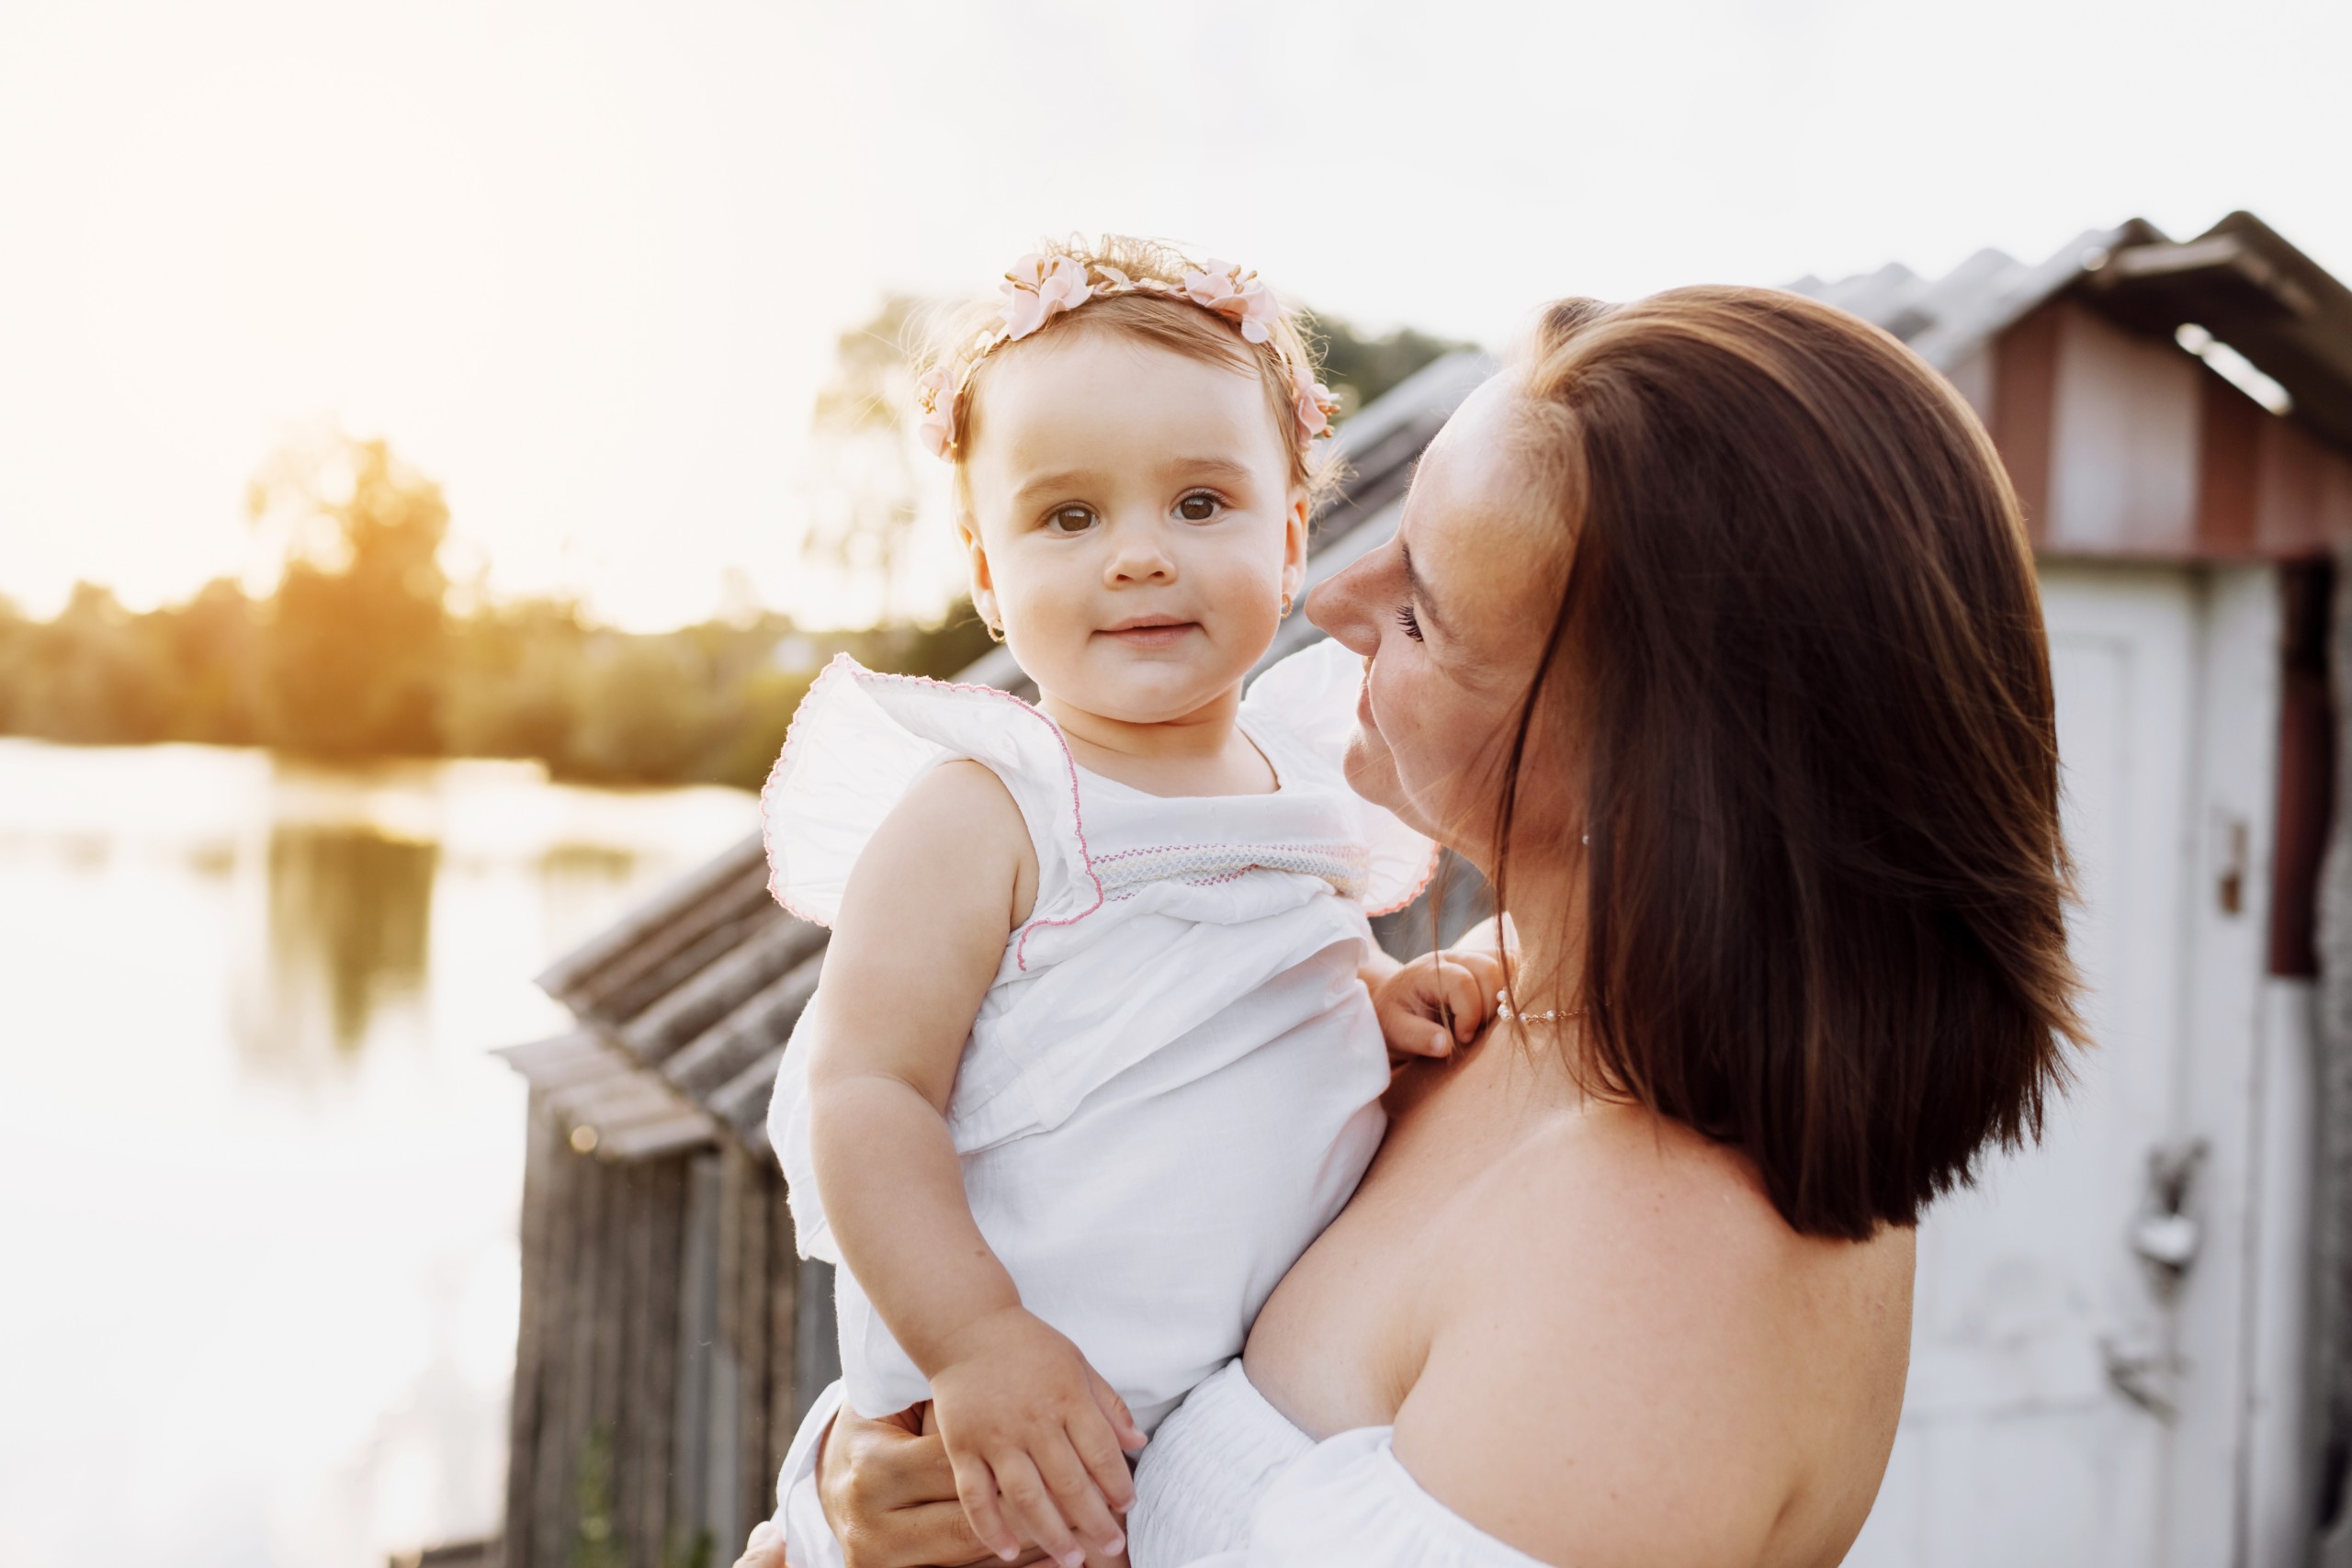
(1339, 605)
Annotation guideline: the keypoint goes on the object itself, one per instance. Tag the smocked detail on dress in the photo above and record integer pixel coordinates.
(1344, 866)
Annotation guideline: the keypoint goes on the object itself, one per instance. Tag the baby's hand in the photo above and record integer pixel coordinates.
(1035, 1438)
(1439, 1000)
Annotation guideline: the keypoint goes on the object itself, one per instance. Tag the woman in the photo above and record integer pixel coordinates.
(1711, 636)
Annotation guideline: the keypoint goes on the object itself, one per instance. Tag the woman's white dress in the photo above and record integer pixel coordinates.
(1229, 1482)
(1173, 1082)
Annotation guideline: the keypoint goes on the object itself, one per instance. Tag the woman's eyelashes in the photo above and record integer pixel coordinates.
(1410, 622)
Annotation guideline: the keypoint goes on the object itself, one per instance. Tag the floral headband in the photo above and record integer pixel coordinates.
(1039, 289)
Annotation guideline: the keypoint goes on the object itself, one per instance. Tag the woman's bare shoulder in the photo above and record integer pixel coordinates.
(1633, 1358)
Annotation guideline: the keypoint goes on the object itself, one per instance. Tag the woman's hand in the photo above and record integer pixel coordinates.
(889, 1493)
(1438, 1001)
(765, 1549)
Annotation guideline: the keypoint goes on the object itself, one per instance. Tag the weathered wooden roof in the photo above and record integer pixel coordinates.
(2240, 280)
(681, 1008)
(2154, 399)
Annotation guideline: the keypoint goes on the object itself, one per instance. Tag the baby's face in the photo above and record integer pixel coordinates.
(1135, 522)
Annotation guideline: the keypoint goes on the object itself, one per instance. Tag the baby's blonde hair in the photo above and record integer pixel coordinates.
(961, 342)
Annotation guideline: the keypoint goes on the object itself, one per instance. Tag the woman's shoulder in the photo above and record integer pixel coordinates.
(1624, 1305)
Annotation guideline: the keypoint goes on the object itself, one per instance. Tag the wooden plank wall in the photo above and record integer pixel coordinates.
(654, 1385)
(2124, 448)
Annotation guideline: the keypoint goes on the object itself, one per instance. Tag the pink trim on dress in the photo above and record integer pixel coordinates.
(843, 666)
(775, 773)
(1428, 869)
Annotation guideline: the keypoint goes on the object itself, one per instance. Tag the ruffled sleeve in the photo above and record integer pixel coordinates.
(1311, 697)
(1348, 1504)
(861, 740)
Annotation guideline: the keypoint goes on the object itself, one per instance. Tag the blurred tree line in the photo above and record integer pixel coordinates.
(357, 654)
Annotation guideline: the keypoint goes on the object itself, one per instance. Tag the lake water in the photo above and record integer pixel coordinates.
(258, 1174)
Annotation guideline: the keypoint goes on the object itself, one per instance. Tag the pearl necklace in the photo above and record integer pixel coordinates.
(1549, 1015)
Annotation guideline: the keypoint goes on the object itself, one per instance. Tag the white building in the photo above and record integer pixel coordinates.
(2130, 1344)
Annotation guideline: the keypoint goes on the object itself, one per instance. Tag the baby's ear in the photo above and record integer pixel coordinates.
(976, 554)
(1294, 542)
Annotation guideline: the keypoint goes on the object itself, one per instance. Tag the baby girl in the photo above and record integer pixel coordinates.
(1097, 1053)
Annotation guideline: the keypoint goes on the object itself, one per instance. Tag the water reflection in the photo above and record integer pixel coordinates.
(350, 929)
(576, 883)
(186, 934)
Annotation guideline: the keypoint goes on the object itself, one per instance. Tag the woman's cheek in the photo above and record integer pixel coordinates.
(1385, 739)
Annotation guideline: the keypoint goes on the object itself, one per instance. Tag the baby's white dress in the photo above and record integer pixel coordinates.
(1173, 1082)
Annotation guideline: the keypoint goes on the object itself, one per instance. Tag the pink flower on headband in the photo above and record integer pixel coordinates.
(1236, 295)
(1312, 402)
(935, 395)
(1035, 290)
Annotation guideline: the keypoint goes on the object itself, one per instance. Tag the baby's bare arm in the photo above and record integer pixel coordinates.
(922, 931)
(923, 926)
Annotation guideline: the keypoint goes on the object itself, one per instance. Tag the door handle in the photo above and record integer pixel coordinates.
(2164, 1233)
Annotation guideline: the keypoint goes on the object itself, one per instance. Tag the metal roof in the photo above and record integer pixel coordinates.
(683, 1007)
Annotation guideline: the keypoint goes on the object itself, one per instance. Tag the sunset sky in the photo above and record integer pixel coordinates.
(585, 263)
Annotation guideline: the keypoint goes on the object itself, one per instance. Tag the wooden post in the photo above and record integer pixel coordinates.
(542, 1180)
(697, 1333)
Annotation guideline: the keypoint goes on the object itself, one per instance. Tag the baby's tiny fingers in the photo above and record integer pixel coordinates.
(1485, 967)
(1033, 1511)
(1076, 1488)
(1097, 1442)
(977, 1491)
(1466, 1000)
(1114, 1409)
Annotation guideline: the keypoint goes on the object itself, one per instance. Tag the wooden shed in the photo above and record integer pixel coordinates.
(669, 1339)
(2132, 1346)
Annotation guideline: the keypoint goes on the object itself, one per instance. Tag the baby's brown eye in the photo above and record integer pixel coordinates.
(1196, 507)
(1069, 520)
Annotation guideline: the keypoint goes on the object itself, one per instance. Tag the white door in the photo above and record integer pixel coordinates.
(2073, 1399)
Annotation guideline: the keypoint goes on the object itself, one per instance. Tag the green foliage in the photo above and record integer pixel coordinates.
(706, 703)
(696, 1553)
(1361, 367)
(862, 495)
(596, 1540)
(98, 674)
(354, 645)
(355, 654)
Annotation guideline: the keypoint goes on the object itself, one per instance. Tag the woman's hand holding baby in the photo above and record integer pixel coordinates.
(1036, 1439)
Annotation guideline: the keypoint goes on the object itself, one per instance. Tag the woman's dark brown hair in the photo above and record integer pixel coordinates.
(1800, 652)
